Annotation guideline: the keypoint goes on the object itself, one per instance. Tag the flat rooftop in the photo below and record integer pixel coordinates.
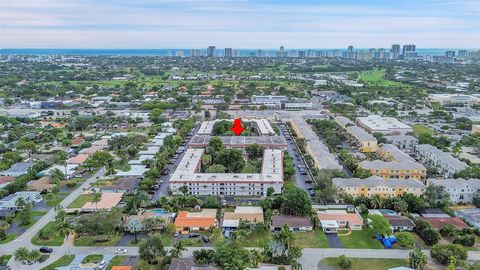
(187, 169)
(382, 123)
(241, 141)
(263, 126)
(322, 155)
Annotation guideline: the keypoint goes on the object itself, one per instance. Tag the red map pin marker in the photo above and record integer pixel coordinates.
(237, 126)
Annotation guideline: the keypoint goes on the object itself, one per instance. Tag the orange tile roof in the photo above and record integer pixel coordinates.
(78, 159)
(183, 221)
(352, 218)
(122, 267)
(57, 125)
(439, 222)
(107, 202)
(77, 141)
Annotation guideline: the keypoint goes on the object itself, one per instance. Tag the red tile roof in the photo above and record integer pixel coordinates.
(438, 223)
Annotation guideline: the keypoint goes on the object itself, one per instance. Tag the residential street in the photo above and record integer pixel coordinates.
(310, 259)
(25, 239)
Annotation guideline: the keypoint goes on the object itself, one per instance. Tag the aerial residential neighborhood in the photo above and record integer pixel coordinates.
(239, 135)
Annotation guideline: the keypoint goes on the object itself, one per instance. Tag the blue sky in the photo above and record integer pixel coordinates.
(238, 23)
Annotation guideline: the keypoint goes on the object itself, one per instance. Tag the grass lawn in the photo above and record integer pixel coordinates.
(360, 239)
(90, 241)
(56, 240)
(370, 264)
(256, 238)
(4, 259)
(9, 238)
(314, 239)
(63, 261)
(117, 260)
(420, 129)
(93, 258)
(143, 265)
(376, 77)
(81, 200)
(57, 199)
(16, 219)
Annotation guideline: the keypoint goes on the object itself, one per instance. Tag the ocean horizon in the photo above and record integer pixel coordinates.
(186, 52)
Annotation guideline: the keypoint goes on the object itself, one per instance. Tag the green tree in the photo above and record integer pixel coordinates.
(296, 202)
(405, 239)
(203, 256)
(29, 147)
(151, 248)
(376, 201)
(216, 168)
(345, 262)
(417, 259)
(379, 225)
(445, 253)
(60, 158)
(177, 249)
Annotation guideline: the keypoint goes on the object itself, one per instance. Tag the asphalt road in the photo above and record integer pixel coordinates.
(293, 151)
(163, 190)
(309, 260)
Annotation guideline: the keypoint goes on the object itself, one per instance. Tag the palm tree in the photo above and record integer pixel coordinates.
(376, 201)
(177, 249)
(417, 259)
(64, 228)
(257, 257)
(21, 254)
(57, 175)
(97, 197)
(285, 237)
(34, 255)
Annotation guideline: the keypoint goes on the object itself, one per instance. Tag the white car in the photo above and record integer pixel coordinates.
(121, 251)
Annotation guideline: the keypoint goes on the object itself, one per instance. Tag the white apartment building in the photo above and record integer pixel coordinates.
(460, 190)
(263, 126)
(446, 164)
(237, 184)
(453, 99)
(403, 142)
(269, 101)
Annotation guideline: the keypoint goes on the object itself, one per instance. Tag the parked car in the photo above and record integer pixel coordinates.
(193, 235)
(176, 234)
(155, 187)
(121, 251)
(101, 265)
(46, 250)
(205, 239)
(166, 171)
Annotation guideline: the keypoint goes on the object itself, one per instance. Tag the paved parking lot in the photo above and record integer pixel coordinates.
(293, 151)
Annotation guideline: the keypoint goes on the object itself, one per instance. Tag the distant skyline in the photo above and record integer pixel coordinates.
(143, 24)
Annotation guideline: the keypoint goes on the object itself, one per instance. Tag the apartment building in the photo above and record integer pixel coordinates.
(363, 140)
(376, 185)
(444, 162)
(238, 184)
(394, 169)
(403, 142)
(460, 190)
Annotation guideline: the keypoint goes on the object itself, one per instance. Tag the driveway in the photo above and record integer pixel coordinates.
(127, 237)
(333, 240)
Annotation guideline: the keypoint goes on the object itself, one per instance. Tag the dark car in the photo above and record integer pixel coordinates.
(165, 171)
(155, 187)
(205, 239)
(150, 191)
(46, 250)
(193, 235)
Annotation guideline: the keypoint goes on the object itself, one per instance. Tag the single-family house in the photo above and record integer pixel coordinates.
(295, 223)
(196, 221)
